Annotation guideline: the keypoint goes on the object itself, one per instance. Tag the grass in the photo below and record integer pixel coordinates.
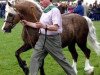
(9, 43)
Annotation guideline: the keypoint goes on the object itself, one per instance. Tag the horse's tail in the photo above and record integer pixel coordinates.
(92, 36)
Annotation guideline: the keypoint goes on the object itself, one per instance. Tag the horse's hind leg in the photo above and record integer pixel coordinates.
(88, 68)
(21, 62)
(74, 54)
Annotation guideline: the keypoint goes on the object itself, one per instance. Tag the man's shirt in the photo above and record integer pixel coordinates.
(50, 18)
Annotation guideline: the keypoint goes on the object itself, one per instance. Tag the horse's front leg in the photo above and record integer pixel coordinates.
(21, 62)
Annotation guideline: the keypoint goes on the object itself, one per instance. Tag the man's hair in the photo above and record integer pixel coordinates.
(50, 0)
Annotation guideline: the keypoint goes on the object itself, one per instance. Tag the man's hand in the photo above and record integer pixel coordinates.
(40, 25)
(24, 22)
(52, 27)
(31, 24)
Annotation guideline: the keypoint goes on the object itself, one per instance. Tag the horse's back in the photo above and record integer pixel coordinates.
(74, 19)
(75, 28)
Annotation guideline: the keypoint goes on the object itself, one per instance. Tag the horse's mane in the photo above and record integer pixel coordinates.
(10, 9)
(29, 10)
(36, 3)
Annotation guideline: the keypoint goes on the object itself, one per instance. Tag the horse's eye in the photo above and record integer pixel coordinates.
(11, 15)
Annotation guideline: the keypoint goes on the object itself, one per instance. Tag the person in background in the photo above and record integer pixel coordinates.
(79, 9)
(0, 10)
(3, 9)
(86, 8)
(51, 21)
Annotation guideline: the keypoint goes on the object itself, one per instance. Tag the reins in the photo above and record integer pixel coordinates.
(21, 17)
(45, 29)
(34, 14)
(10, 21)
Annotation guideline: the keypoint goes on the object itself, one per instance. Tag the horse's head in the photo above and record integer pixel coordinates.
(29, 11)
(11, 18)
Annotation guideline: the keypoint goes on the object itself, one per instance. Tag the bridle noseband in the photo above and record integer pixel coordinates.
(10, 19)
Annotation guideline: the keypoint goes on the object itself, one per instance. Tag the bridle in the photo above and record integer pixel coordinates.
(40, 31)
(10, 19)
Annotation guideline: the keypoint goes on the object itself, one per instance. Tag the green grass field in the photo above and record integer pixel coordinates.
(9, 43)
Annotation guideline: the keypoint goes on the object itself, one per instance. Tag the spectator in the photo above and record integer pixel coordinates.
(3, 9)
(90, 14)
(70, 8)
(79, 9)
(86, 10)
(0, 10)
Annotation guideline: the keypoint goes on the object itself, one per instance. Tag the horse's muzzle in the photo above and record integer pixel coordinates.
(7, 30)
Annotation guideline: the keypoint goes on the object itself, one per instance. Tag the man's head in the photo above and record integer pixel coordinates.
(45, 3)
(79, 2)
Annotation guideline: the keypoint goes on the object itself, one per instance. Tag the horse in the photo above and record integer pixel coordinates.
(76, 30)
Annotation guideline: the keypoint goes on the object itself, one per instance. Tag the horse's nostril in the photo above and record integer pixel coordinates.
(6, 30)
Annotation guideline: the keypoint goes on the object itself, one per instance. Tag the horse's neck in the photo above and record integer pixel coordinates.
(30, 31)
(32, 18)
(29, 15)
(29, 18)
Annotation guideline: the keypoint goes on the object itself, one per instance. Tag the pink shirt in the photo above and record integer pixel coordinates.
(50, 18)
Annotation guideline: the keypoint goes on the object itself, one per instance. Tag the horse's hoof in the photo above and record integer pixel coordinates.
(26, 70)
(24, 62)
(90, 72)
(75, 69)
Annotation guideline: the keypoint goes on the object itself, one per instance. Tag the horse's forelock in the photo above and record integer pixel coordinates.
(12, 1)
(9, 9)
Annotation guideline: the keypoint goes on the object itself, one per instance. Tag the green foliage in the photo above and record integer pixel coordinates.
(9, 43)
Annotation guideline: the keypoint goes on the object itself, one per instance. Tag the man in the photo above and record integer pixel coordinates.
(79, 9)
(52, 21)
(86, 9)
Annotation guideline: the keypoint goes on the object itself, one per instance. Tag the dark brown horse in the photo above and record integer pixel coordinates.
(76, 29)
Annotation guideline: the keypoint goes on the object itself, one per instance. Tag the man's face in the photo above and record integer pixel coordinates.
(44, 3)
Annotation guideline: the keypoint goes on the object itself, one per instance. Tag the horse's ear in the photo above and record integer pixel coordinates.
(10, 4)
